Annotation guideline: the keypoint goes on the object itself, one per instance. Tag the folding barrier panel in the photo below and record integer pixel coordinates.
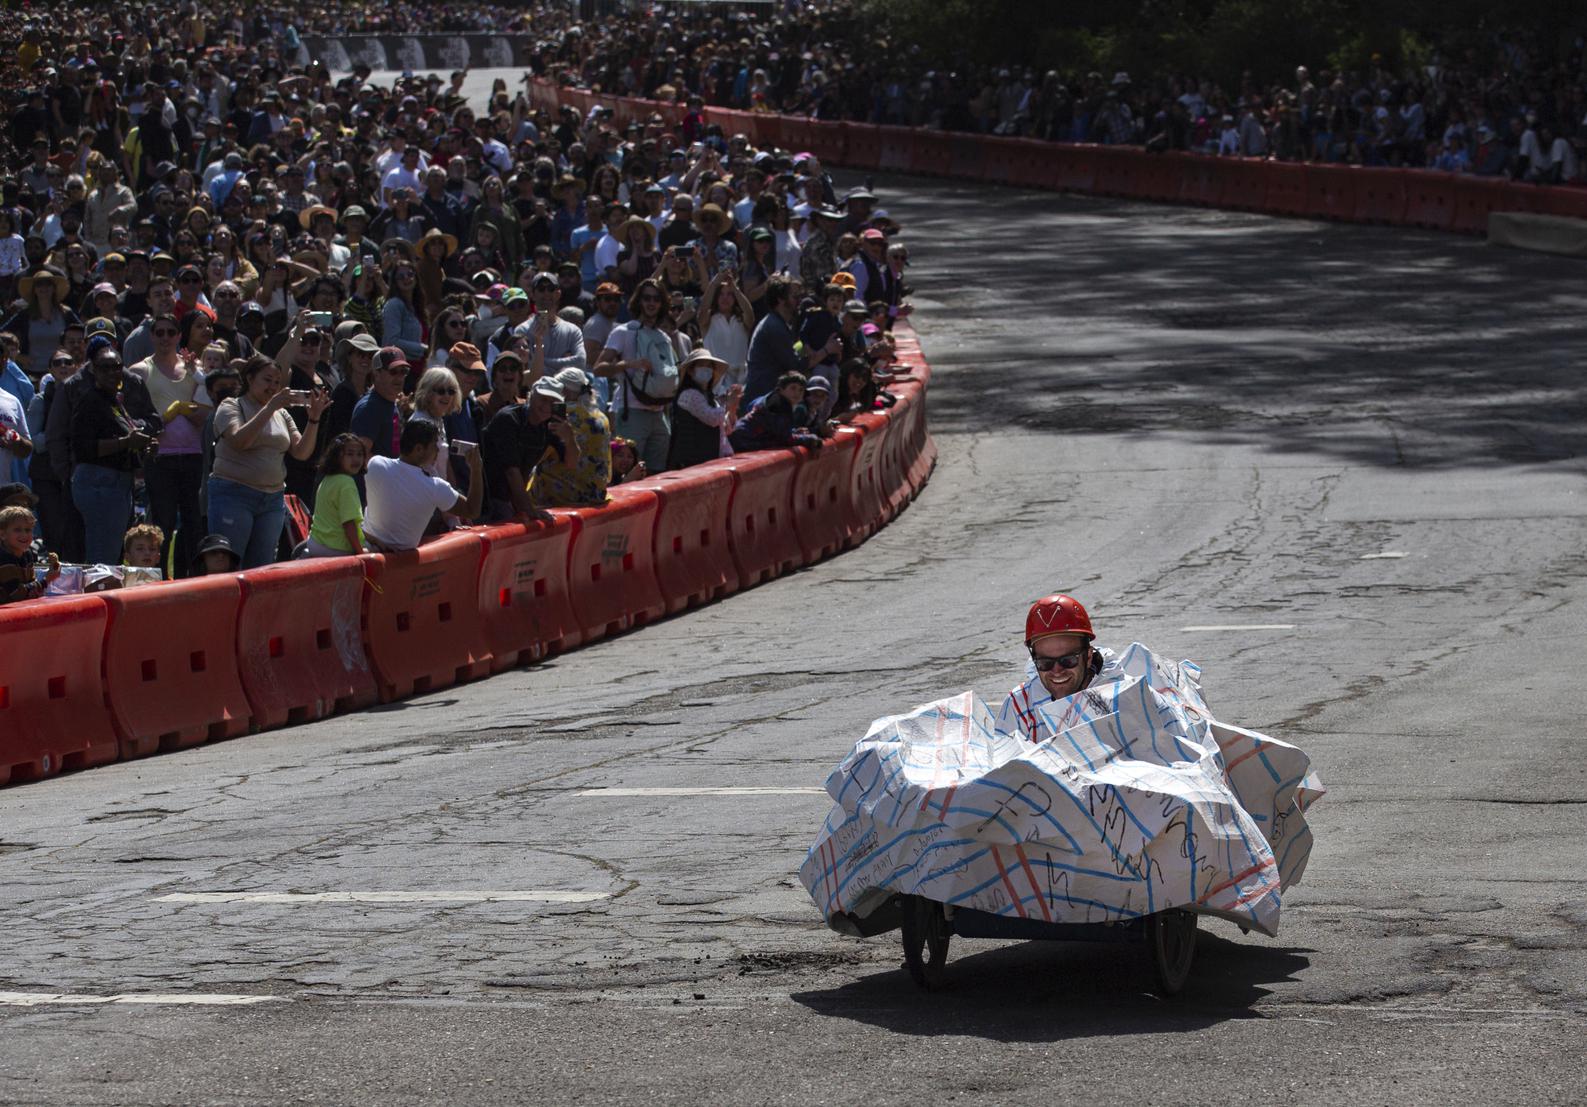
(1430, 200)
(421, 617)
(1331, 192)
(1244, 184)
(1380, 196)
(862, 146)
(611, 567)
(1473, 199)
(525, 609)
(1570, 202)
(865, 478)
(1157, 178)
(898, 147)
(1201, 182)
(760, 522)
(300, 641)
(823, 513)
(692, 551)
(53, 714)
(966, 156)
(1117, 172)
(896, 490)
(1286, 188)
(1032, 166)
(999, 161)
(171, 664)
(932, 154)
(1073, 168)
(826, 142)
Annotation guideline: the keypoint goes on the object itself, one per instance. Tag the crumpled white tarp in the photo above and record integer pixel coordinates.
(1141, 802)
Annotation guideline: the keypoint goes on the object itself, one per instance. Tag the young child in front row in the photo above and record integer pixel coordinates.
(337, 530)
(141, 546)
(18, 561)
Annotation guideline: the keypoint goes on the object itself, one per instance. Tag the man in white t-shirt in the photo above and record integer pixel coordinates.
(404, 497)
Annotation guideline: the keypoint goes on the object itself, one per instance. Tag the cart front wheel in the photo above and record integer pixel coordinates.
(925, 941)
(1172, 938)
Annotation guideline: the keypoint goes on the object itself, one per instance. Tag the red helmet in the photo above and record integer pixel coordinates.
(1057, 614)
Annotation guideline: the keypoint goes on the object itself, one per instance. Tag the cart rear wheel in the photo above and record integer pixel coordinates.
(925, 941)
(1171, 936)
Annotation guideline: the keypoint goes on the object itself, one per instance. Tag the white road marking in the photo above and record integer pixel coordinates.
(383, 897)
(181, 999)
(1384, 556)
(609, 792)
(1246, 626)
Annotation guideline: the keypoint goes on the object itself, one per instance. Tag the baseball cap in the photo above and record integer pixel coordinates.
(544, 279)
(17, 491)
(855, 307)
(391, 357)
(99, 325)
(515, 296)
(607, 288)
(547, 386)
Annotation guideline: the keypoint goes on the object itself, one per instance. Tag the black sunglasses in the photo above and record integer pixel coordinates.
(1067, 661)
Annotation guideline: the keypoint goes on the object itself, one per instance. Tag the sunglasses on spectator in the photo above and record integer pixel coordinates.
(650, 298)
(310, 340)
(226, 294)
(456, 323)
(445, 391)
(1067, 661)
(165, 332)
(192, 280)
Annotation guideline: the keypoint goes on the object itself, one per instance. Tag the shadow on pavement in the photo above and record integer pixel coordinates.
(1075, 315)
(1052, 991)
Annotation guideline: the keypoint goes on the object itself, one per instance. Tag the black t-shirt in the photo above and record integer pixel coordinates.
(510, 441)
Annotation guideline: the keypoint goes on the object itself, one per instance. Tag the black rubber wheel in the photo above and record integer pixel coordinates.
(925, 941)
(1171, 937)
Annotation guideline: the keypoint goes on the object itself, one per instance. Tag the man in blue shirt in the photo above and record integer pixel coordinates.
(772, 351)
(378, 416)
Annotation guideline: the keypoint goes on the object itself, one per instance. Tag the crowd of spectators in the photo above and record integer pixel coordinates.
(1504, 110)
(258, 311)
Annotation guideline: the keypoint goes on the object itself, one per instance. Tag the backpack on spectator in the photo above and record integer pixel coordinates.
(660, 382)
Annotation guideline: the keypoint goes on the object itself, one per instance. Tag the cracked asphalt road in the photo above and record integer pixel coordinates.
(1187, 418)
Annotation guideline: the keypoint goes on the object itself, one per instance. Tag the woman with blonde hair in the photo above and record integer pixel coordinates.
(436, 396)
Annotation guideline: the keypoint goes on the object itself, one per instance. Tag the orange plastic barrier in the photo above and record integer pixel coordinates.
(611, 566)
(895, 488)
(865, 478)
(1073, 168)
(966, 157)
(823, 513)
(1473, 199)
(53, 714)
(300, 641)
(1244, 184)
(1570, 201)
(525, 610)
(1201, 182)
(932, 154)
(898, 149)
(1430, 200)
(1000, 161)
(692, 550)
(862, 145)
(1330, 192)
(824, 140)
(1032, 163)
(1117, 171)
(1380, 196)
(421, 617)
(920, 450)
(1157, 178)
(1286, 188)
(760, 516)
(171, 664)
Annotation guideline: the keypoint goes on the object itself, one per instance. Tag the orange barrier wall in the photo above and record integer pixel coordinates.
(1394, 197)
(88, 679)
(53, 713)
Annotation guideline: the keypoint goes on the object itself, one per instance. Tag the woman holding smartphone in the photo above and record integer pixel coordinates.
(253, 436)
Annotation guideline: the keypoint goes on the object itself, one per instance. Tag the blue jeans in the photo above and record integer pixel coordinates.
(104, 499)
(251, 520)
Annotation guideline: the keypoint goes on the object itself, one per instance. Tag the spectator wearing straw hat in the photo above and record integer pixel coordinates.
(713, 248)
(41, 324)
